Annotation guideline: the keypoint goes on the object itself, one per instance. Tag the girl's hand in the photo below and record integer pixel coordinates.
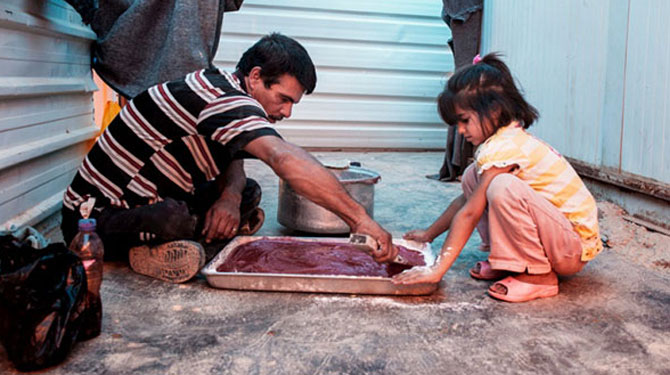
(418, 235)
(418, 275)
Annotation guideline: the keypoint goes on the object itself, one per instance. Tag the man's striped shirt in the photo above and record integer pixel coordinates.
(549, 174)
(168, 140)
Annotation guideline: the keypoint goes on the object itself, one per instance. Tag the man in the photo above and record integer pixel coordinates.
(169, 170)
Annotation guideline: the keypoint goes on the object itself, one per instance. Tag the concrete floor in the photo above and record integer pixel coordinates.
(613, 317)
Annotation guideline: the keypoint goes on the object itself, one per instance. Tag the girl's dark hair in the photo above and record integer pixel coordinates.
(488, 89)
(276, 55)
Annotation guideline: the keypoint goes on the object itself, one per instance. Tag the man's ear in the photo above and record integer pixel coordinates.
(255, 77)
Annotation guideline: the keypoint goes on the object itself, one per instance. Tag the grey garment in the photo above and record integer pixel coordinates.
(465, 46)
(459, 10)
(465, 39)
(457, 156)
(144, 42)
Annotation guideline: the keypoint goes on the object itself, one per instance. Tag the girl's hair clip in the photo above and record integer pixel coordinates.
(476, 59)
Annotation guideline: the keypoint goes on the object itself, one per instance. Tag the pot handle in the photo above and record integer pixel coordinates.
(357, 164)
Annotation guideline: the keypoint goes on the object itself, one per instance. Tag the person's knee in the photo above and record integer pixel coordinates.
(502, 188)
(168, 220)
(469, 179)
(169, 208)
(568, 268)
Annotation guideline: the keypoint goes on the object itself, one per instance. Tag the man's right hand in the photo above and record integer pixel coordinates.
(386, 251)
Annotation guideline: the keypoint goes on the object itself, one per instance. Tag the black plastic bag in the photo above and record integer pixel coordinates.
(42, 299)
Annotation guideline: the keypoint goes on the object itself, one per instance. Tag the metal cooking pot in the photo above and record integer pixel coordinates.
(299, 213)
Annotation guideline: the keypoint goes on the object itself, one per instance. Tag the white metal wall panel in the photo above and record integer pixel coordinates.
(380, 66)
(599, 73)
(615, 68)
(646, 129)
(557, 51)
(46, 118)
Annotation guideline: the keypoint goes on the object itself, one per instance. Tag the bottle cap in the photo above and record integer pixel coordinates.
(87, 224)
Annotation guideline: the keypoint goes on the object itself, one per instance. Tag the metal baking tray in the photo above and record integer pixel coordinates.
(286, 282)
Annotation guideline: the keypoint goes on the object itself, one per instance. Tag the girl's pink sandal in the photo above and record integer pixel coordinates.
(485, 272)
(519, 291)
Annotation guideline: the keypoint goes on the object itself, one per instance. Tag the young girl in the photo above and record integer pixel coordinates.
(531, 209)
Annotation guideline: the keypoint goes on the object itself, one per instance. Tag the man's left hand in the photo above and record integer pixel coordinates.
(222, 220)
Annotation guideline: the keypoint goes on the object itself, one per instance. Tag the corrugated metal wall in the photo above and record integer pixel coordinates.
(380, 66)
(599, 73)
(46, 116)
(645, 146)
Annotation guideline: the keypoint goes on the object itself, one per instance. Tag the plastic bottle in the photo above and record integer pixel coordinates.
(88, 246)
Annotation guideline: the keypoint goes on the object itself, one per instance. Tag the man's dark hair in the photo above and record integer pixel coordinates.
(488, 89)
(277, 55)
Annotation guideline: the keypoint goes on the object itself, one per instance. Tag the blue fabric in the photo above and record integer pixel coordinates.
(27, 234)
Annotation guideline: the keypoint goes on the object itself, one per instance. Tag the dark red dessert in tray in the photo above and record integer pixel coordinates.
(314, 258)
(314, 265)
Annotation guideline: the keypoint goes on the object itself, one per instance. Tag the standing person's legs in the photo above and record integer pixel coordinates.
(529, 235)
(464, 46)
(466, 36)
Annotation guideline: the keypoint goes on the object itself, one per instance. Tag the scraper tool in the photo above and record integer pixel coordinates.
(368, 244)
